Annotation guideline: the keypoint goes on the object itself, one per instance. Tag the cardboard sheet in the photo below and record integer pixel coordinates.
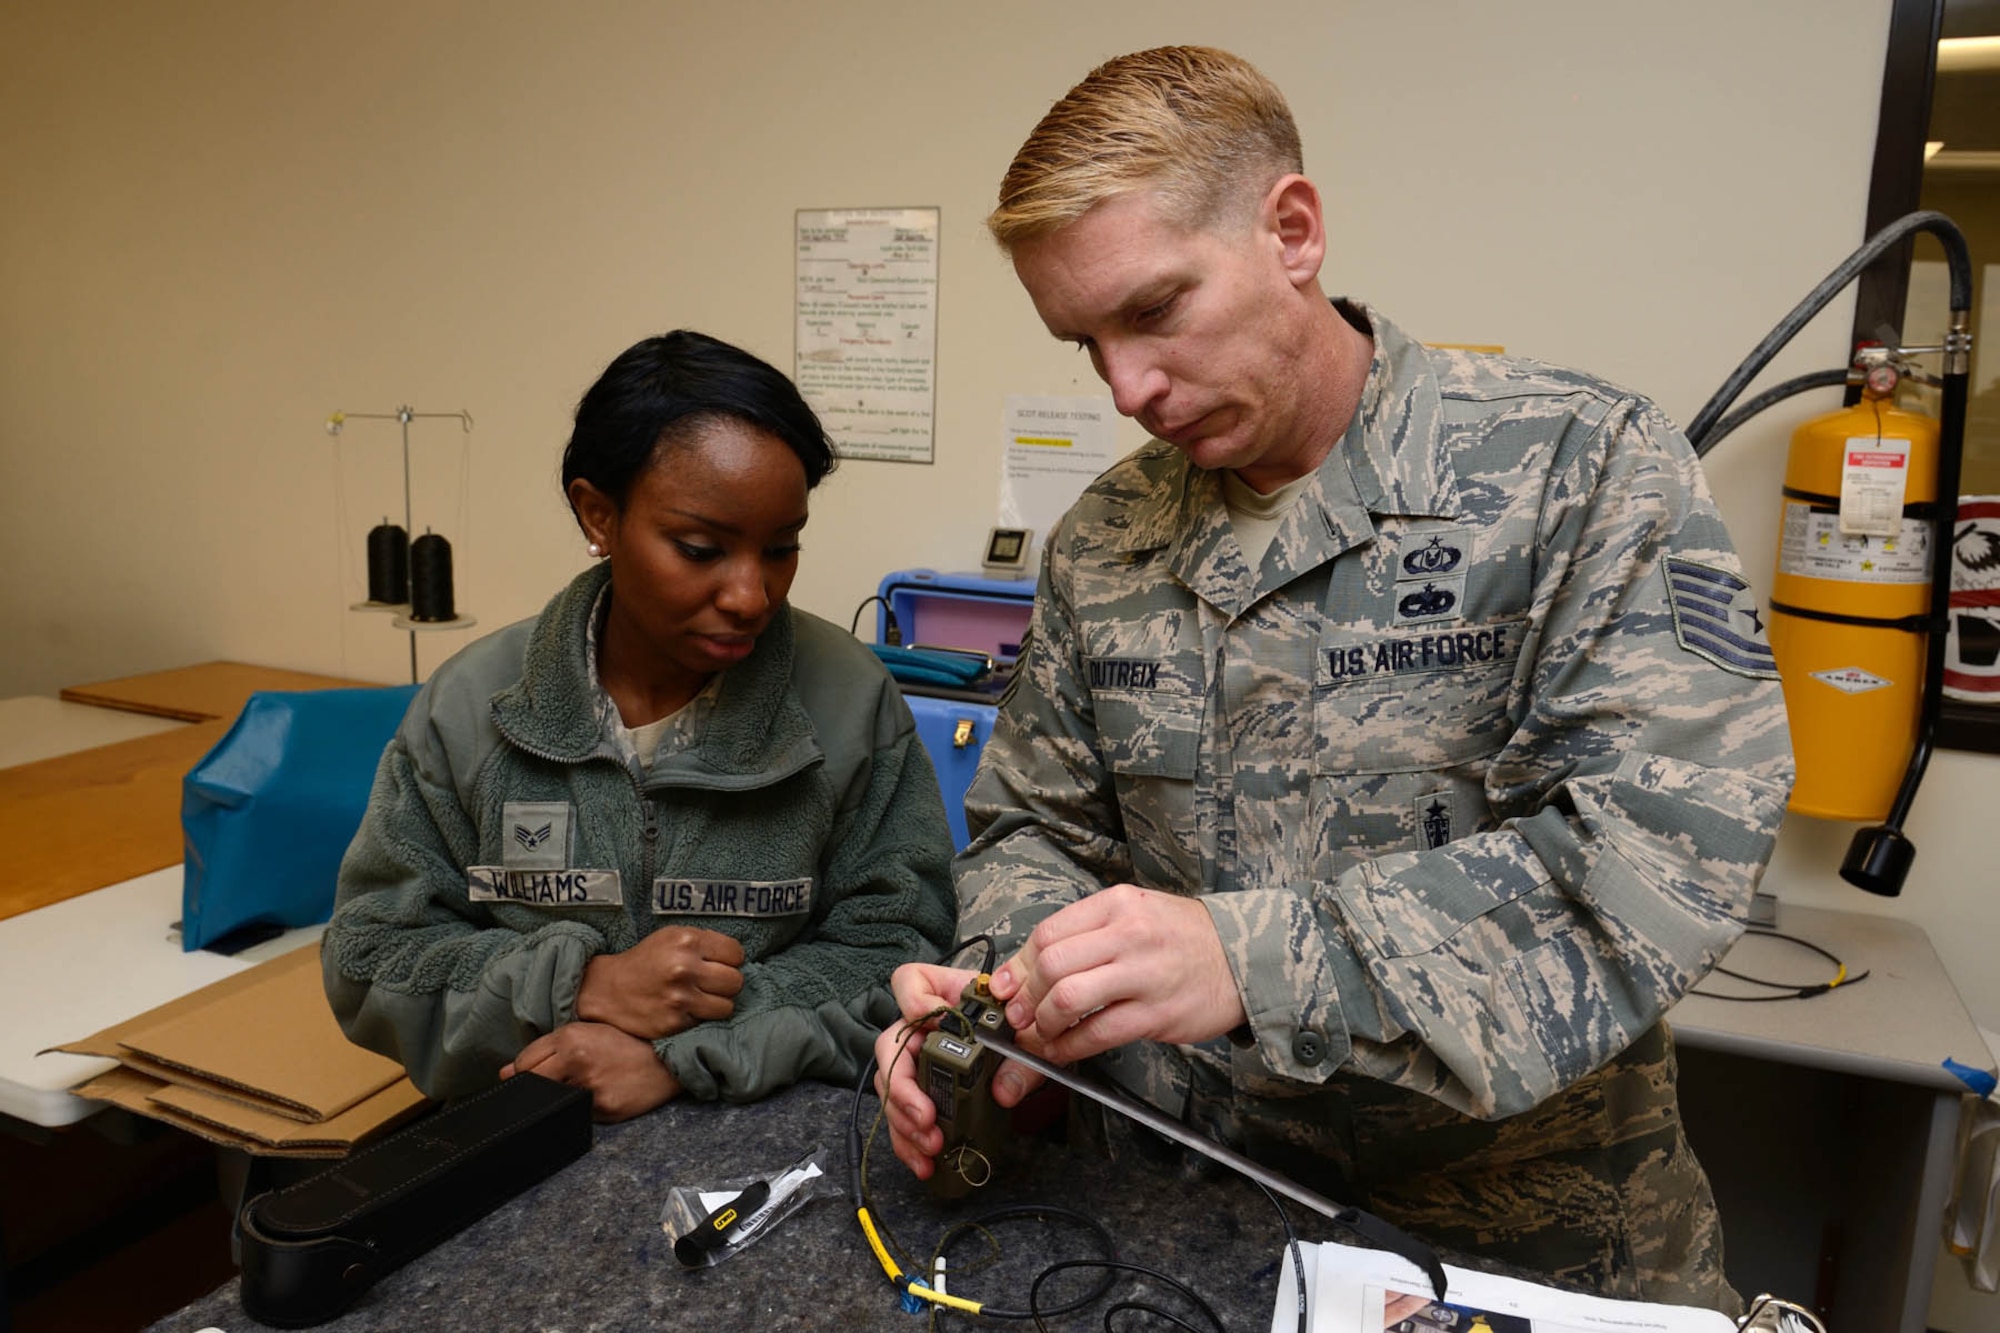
(275, 1045)
(95, 817)
(199, 693)
(234, 1126)
(101, 816)
(255, 1060)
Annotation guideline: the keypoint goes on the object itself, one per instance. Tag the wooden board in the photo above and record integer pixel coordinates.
(199, 693)
(81, 821)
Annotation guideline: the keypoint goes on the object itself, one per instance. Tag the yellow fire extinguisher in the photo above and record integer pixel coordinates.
(1849, 596)
(1850, 616)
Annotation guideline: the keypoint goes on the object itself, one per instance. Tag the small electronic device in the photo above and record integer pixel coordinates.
(956, 1071)
(1007, 553)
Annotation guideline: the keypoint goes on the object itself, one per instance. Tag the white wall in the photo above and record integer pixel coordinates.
(220, 220)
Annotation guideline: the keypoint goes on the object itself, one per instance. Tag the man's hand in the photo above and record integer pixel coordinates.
(1124, 964)
(920, 989)
(626, 1077)
(666, 983)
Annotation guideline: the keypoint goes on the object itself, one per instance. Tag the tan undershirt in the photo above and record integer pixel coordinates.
(1256, 517)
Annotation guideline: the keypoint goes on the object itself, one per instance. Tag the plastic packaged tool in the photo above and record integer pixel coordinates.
(711, 1221)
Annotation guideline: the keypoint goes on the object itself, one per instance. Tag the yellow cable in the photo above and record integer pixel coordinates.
(875, 1244)
(955, 1302)
(914, 1287)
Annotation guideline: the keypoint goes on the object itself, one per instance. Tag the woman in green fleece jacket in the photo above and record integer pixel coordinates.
(673, 835)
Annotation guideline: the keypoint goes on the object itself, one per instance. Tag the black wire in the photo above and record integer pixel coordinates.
(967, 943)
(1042, 1212)
(1124, 1306)
(892, 633)
(1291, 1240)
(1034, 1289)
(1792, 990)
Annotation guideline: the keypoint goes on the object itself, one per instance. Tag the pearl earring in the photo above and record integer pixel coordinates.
(593, 550)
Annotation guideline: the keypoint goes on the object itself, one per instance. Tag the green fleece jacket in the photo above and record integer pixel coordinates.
(508, 841)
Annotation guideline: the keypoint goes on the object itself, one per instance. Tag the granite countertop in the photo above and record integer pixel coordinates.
(584, 1250)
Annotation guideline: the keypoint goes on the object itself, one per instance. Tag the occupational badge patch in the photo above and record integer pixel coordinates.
(1435, 820)
(1716, 617)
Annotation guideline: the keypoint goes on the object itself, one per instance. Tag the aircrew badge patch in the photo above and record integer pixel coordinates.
(1716, 617)
(1430, 575)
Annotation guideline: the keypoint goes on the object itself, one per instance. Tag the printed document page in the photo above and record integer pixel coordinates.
(1354, 1290)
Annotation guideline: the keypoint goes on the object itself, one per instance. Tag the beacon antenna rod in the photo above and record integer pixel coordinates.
(405, 415)
(1880, 856)
(1378, 1233)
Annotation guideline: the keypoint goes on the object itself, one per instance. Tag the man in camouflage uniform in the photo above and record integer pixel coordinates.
(1395, 739)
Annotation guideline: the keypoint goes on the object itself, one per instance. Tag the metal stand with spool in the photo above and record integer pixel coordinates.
(399, 565)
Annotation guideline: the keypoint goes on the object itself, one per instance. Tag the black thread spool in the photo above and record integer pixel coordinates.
(430, 579)
(388, 563)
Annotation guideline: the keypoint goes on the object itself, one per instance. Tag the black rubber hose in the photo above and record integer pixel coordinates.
(1936, 223)
(1771, 397)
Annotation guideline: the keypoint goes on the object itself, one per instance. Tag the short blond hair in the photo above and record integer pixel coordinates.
(1202, 127)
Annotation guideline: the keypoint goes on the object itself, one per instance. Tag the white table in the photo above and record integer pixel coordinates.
(72, 968)
(35, 727)
(1828, 1125)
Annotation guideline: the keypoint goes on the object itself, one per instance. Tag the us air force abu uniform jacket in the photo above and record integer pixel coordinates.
(508, 842)
(1475, 774)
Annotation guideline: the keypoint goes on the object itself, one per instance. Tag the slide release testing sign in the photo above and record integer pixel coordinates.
(867, 330)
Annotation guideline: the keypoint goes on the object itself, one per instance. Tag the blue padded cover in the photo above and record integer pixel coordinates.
(268, 813)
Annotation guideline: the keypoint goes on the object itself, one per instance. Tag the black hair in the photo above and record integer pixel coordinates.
(661, 391)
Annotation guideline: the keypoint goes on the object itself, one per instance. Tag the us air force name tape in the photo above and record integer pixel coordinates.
(732, 897)
(671, 896)
(1417, 654)
(1385, 655)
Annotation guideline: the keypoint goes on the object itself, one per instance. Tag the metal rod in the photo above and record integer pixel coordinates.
(404, 414)
(1155, 1120)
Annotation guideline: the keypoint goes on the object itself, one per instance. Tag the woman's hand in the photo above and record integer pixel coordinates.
(666, 983)
(624, 1074)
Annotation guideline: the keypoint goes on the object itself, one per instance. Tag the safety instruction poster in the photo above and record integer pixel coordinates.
(1053, 448)
(1972, 649)
(866, 348)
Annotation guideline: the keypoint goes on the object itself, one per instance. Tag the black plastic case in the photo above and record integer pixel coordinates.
(311, 1250)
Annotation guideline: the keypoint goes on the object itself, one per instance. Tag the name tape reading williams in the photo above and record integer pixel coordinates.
(544, 888)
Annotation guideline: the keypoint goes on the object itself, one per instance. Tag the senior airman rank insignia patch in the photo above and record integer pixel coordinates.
(1716, 617)
(538, 835)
